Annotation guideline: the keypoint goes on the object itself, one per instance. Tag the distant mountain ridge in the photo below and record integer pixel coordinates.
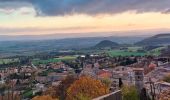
(105, 44)
(160, 39)
(96, 39)
(18, 47)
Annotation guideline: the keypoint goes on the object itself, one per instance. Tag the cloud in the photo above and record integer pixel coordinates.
(6, 11)
(167, 11)
(91, 7)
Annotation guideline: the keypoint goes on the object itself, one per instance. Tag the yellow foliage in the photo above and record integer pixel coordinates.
(51, 91)
(87, 87)
(44, 97)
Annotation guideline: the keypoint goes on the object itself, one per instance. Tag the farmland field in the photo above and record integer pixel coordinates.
(134, 51)
(53, 60)
(7, 61)
(156, 51)
(115, 53)
(134, 48)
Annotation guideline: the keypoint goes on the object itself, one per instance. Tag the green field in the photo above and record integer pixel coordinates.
(156, 51)
(134, 51)
(134, 48)
(7, 61)
(27, 93)
(115, 53)
(53, 60)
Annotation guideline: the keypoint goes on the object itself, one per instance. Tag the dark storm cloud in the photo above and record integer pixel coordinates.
(92, 7)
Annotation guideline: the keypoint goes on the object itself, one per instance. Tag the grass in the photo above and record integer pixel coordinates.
(53, 60)
(131, 51)
(7, 61)
(156, 51)
(28, 93)
(134, 51)
(115, 53)
(134, 48)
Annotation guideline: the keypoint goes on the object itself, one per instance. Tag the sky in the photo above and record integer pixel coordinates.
(84, 17)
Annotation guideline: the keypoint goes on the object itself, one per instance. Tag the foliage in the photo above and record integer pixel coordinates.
(86, 87)
(106, 44)
(120, 83)
(44, 97)
(8, 60)
(115, 53)
(53, 60)
(51, 91)
(130, 93)
(144, 95)
(167, 78)
(61, 90)
(83, 97)
(28, 93)
(107, 82)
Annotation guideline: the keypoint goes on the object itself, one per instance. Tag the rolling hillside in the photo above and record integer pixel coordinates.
(160, 39)
(105, 44)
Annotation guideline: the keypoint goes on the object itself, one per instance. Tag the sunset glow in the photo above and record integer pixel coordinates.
(25, 21)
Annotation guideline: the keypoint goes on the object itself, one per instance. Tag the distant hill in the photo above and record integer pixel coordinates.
(160, 39)
(58, 38)
(19, 45)
(166, 52)
(105, 44)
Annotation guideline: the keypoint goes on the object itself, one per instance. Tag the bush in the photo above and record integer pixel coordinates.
(130, 93)
(167, 78)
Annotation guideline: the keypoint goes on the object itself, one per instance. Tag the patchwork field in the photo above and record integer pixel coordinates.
(135, 51)
(7, 61)
(134, 48)
(53, 60)
(156, 51)
(115, 53)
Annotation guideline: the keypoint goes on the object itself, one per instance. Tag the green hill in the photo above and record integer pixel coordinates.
(160, 39)
(106, 44)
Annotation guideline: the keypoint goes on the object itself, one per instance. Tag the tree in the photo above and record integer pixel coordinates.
(51, 91)
(120, 82)
(167, 78)
(107, 82)
(44, 97)
(86, 87)
(83, 97)
(144, 95)
(64, 85)
(129, 93)
(60, 91)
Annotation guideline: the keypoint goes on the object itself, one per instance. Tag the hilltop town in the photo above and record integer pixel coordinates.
(145, 75)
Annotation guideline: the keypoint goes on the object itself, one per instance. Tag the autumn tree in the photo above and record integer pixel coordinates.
(60, 91)
(51, 91)
(86, 87)
(44, 97)
(167, 78)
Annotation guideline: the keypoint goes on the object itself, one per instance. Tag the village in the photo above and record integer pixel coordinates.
(28, 81)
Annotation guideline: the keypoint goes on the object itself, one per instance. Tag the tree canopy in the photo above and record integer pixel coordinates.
(130, 93)
(44, 97)
(86, 87)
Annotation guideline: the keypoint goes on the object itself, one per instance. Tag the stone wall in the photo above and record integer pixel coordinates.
(117, 95)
